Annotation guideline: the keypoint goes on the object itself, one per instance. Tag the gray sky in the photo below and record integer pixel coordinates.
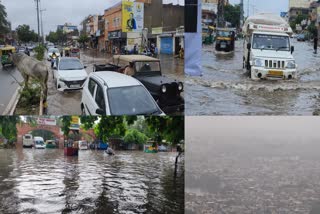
(57, 12)
(271, 6)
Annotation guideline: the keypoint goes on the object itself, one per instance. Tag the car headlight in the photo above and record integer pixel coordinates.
(62, 79)
(180, 86)
(258, 62)
(163, 89)
(291, 64)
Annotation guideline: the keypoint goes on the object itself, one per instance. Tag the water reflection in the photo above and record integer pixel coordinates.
(44, 181)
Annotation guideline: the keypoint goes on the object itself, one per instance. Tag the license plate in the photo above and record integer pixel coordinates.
(223, 45)
(276, 73)
(75, 86)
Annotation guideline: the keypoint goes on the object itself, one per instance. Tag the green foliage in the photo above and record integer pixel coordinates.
(25, 34)
(232, 14)
(52, 37)
(4, 24)
(39, 50)
(312, 29)
(30, 96)
(112, 126)
(134, 136)
(65, 124)
(83, 39)
(8, 127)
(47, 135)
(168, 128)
(87, 122)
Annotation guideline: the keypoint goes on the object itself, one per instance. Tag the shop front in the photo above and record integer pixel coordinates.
(117, 40)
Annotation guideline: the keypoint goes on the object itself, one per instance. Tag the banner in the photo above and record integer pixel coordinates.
(46, 121)
(132, 16)
(75, 123)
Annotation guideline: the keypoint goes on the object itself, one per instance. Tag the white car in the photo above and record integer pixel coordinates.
(83, 145)
(70, 74)
(39, 143)
(112, 93)
(50, 52)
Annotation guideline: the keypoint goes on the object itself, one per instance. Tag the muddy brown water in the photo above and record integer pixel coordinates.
(45, 181)
(225, 89)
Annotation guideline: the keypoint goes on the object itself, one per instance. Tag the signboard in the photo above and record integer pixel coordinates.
(75, 123)
(213, 7)
(114, 34)
(283, 14)
(156, 30)
(166, 45)
(132, 16)
(46, 121)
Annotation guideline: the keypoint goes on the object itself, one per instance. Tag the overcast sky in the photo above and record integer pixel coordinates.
(271, 6)
(57, 12)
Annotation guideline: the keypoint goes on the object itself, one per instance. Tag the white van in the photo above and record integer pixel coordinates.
(39, 143)
(27, 141)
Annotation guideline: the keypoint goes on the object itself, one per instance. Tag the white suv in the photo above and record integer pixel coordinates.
(112, 93)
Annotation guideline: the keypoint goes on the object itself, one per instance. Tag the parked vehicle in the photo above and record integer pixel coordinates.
(75, 52)
(112, 93)
(70, 74)
(27, 141)
(5, 53)
(51, 144)
(165, 91)
(39, 143)
(225, 39)
(301, 37)
(102, 145)
(83, 145)
(267, 48)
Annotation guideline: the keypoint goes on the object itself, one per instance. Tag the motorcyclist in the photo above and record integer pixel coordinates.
(53, 58)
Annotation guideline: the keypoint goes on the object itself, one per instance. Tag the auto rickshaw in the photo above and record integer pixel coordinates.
(225, 39)
(5, 53)
(207, 37)
(75, 52)
(66, 52)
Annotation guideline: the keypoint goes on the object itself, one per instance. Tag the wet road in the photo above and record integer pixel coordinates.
(64, 103)
(44, 181)
(8, 87)
(225, 89)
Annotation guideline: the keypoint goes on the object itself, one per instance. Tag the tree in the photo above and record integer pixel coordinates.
(52, 37)
(134, 136)
(4, 24)
(8, 127)
(83, 39)
(232, 14)
(25, 34)
(65, 124)
(110, 127)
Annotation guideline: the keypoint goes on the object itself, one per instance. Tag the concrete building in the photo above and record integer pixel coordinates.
(297, 7)
(299, 3)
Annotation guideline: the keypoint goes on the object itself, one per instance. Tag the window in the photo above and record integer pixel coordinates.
(100, 98)
(91, 86)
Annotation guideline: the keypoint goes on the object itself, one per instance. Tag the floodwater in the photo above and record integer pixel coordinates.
(225, 89)
(252, 176)
(45, 181)
(66, 103)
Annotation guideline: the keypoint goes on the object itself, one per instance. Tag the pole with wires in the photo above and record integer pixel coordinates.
(42, 34)
(38, 19)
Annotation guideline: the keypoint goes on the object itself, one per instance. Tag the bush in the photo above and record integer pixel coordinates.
(40, 52)
(30, 96)
(134, 136)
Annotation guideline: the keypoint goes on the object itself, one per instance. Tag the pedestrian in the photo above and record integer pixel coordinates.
(315, 41)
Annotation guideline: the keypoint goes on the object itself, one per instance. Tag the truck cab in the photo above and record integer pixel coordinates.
(268, 52)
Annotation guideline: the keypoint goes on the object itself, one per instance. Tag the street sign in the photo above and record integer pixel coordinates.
(46, 121)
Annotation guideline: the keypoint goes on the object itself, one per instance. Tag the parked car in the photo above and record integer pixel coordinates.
(112, 93)
(50, 52)
(39, 143)
(301, 37)
(70, 74)
(165, 91)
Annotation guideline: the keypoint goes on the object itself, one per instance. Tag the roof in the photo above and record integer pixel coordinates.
(134, 58)
(115, 79)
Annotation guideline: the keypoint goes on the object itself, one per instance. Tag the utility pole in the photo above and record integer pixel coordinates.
(38, 20)
(241, 13)
(248, 9)
(42, 26)
(221, 22)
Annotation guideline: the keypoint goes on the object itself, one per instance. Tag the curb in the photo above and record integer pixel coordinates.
(13, 102)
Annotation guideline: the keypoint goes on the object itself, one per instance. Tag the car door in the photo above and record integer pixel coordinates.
(100, 101)
(88, 96)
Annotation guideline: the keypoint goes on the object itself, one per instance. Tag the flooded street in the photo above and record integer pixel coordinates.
(225, 88)
(65, 103)
(38, 181)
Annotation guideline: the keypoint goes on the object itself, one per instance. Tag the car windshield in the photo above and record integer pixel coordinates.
(132, 100)
(70, 64)
(224, 33)
(51, 50)
(144, 66)
(271, 42)
(39, 142)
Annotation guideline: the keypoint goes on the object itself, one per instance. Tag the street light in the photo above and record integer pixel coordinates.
(42, 26)
(37, 2)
